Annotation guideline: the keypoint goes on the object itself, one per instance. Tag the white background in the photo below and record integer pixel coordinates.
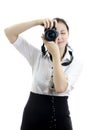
(16, 74)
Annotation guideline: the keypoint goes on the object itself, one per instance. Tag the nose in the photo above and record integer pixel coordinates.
(59, 36)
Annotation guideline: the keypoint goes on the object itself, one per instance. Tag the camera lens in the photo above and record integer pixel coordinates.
(51, 34)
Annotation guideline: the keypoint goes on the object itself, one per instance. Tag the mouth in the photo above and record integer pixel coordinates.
(60, 43)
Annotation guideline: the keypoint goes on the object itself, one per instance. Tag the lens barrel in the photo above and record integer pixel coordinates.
(51, 34)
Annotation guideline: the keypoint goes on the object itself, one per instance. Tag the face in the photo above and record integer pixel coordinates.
(63, 35)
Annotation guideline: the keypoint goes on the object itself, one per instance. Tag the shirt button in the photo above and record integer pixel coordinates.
(55, 120)
(51, 76)
(52, 87)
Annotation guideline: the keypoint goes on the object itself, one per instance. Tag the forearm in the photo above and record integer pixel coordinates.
(59, 78)
(13, 31)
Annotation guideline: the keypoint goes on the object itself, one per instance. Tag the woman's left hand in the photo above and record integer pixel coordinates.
(52, 47)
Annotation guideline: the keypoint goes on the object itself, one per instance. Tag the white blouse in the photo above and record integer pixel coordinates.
(42, 69)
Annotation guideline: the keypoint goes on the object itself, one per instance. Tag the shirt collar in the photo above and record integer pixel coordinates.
(67, 56)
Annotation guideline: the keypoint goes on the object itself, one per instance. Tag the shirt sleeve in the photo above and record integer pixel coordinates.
(73, 73)
(27, 50)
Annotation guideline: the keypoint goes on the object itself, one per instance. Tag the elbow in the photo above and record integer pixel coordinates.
(59, 91)
(7, 33)
(62, 89)
(12, 38)
(61, 86)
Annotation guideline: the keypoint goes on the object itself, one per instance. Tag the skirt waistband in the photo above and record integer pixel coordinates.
(48, 96)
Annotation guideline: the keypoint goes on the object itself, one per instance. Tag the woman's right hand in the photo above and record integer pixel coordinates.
(48, 23)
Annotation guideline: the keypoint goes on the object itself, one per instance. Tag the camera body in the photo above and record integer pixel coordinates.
(51, 34)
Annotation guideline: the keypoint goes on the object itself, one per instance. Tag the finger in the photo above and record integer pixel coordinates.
(55, 23)
(43, 38)
(45, 24)
(51, 24)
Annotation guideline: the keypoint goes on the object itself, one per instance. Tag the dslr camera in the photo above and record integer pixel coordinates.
(50, 34)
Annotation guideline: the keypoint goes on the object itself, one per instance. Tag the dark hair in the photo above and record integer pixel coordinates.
(63, 21)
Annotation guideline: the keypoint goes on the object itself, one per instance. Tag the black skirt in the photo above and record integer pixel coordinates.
(43, 112)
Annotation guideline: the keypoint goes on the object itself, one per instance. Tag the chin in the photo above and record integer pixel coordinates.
(61, 45)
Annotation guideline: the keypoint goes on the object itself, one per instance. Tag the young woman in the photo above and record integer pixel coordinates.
(55, 71)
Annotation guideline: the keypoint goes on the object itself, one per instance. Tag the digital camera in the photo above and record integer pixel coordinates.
(51, 34)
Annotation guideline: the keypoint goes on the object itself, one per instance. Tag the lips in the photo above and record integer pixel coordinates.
(60, 42)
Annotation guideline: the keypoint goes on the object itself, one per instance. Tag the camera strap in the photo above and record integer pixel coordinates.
(70, 61)
(64, 63)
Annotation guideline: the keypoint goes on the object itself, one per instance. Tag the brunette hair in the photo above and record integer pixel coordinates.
(63, 21)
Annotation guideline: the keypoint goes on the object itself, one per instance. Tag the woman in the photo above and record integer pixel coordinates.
(55, 72)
